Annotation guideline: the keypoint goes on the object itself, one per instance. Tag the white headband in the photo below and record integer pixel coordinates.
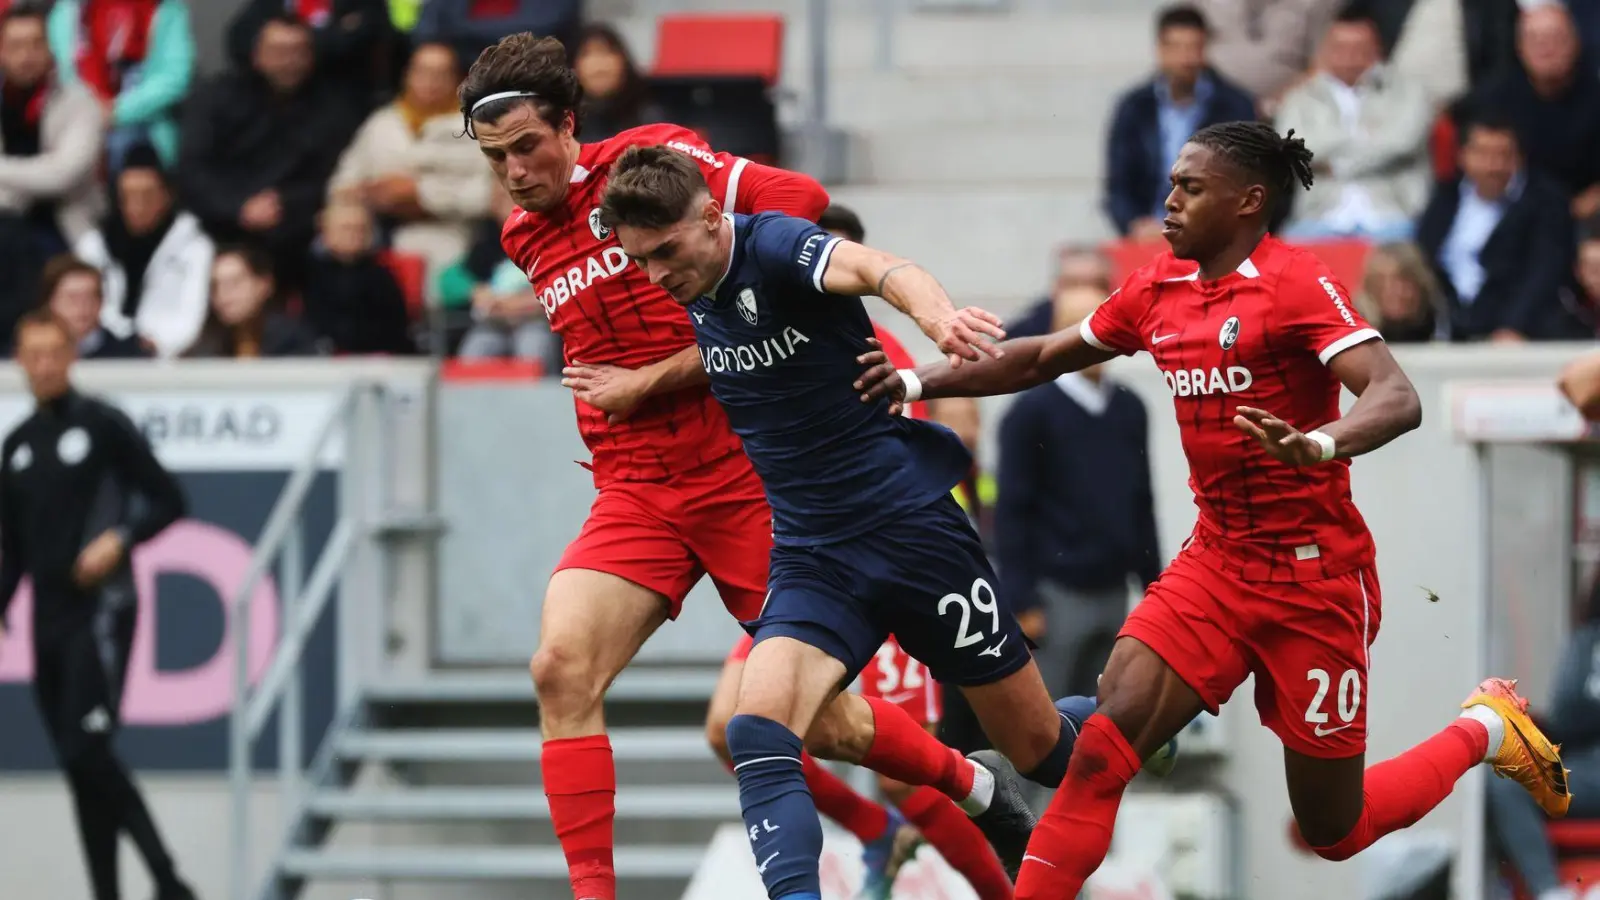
(503, 95)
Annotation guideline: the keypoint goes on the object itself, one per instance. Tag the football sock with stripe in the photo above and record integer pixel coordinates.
(580, 782)
(780, 816)
(1074, 835)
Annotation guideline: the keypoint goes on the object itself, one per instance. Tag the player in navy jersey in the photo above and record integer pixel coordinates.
(868, 539)
(1255, 339)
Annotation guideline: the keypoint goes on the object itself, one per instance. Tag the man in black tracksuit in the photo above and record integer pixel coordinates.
(79, 489)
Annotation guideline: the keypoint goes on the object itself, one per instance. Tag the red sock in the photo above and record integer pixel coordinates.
(1402, 790)
(903, 750)
(840, 802)
(959, 841)
(580, 781)
(1074, 835)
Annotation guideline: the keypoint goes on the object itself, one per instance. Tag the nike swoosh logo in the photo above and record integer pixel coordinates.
(1158, 338)
(1043, 862)
(533, 269)
(1324, 732)
(995, 650)
(901, 697)
(763, 867)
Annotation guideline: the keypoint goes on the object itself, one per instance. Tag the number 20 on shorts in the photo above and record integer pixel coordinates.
(1348, 699)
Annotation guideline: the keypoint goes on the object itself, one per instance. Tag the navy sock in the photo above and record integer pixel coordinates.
(780, 816)
(1074, 711)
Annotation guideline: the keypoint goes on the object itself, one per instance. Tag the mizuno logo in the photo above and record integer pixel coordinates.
(699, 317)
(1158, 338)
(995, 650)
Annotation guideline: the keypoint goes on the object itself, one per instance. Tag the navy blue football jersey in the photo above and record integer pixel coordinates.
(781, 354)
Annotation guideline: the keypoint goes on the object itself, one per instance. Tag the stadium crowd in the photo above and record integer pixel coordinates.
(1461, 140)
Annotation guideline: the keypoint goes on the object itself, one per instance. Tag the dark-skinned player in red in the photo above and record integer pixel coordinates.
(1255, 339)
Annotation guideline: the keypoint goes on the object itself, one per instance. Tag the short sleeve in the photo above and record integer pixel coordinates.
(790, 248)
(1315, 311)
(1114, 324)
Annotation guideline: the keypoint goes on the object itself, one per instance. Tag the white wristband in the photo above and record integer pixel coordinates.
(913, 386)
(1326, 441)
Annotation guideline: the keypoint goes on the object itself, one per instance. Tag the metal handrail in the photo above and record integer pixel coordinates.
(282, 540)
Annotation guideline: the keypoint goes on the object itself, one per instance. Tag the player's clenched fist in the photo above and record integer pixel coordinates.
(961, 335)
(1283, 441)
(881, 379)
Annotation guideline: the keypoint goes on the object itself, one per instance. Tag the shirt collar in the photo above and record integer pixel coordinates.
(1093, 396)
(733, 249)
(1513, 193)
(1202, 91)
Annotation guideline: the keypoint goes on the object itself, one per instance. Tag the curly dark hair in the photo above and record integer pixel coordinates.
(1279, 160)
(534, 69)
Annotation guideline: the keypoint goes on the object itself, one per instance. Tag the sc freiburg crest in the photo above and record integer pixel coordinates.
(601, 232)
(1229, 333)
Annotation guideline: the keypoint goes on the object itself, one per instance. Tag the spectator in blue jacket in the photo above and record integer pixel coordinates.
(137, 56)
(1152, 121)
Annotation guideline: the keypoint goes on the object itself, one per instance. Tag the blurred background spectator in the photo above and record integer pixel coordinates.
(71, 288)
(352, 41)
(410, 166)
(1400, 295)
(1552, 96)
(1266, 46)
(1369, 127)
(615, 95)
(1152, 121)
(1501, 239)
(1076, 267)
(137, 56)
(351, 299)
(1425, 41)
(155, 260)
(246, 318)
(508, 321)
(51, 133)
(1075, 515)
(260, 144)
(471, 25)
(1581, 298)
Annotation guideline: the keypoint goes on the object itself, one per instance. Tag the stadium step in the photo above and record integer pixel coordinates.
(974, 156)
(486, 745)
(701, 802)
(641, 685)
(479, 863)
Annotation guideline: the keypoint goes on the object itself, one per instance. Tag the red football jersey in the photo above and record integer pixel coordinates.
(608, 313)
(1261, 336)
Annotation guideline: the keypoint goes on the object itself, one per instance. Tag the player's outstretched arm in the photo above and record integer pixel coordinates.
(617, 391)
(1386, 407)
(854, 270)
(1022, 363)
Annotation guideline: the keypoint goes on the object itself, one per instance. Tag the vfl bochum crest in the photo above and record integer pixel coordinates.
(747, 305)
(1229, 333)
(601, 232)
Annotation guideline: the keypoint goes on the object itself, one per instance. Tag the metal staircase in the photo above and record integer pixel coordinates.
(428, 784)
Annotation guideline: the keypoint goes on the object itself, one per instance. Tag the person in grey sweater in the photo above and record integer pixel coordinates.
(1573, 721)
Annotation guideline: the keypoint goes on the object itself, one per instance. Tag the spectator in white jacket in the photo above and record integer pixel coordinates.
(408, 166)
(154, 259)
(1368, 126)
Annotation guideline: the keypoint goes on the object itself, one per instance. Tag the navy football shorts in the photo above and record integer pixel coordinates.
(923, 578)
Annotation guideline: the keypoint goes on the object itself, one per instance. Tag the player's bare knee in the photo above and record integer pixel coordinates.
(566, 682)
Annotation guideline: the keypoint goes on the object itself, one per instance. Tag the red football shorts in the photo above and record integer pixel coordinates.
(665, 535)
(894, 677)
(1305, 642)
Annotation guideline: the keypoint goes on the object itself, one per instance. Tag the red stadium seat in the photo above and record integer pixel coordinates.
(1442, 147)
(1577, 846)
(691, 44)
(409, 271)
(1347, 258)
(481, 370)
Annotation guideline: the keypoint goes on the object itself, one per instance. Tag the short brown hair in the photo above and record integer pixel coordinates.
(37, 317)
(651, 187)
(59, 269)
(531, 66)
